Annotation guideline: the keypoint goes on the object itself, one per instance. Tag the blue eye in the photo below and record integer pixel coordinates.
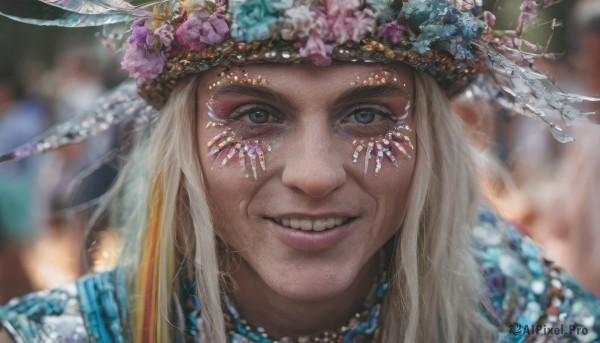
(368, 115)
(364, 116)
(259, 116)
(255, 114)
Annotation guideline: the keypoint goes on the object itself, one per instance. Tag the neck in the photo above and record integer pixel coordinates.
(261, 307)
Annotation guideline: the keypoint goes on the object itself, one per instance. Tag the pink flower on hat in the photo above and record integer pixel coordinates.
(143, 60)
(202, 29)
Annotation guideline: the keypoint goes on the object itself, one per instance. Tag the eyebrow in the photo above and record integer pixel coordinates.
(256, 91)
(367, 92)
(351, 95)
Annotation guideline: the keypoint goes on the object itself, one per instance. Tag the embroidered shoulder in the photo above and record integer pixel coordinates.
(47, 316)
(529, 294)
(84, 311)
(103, 306)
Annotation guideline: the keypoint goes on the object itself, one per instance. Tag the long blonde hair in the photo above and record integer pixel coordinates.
(436, 289)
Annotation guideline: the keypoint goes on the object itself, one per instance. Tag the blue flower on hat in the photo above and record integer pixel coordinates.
(255, 19)
(446, 28)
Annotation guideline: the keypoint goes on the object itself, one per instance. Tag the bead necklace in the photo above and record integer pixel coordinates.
(362, 327)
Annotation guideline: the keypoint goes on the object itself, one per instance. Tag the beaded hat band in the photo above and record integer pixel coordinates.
(194, 36)
(156, 91)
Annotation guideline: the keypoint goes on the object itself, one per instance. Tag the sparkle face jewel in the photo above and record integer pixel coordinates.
(381, 76)
(240, 76)
(393, 143)
(226, 146)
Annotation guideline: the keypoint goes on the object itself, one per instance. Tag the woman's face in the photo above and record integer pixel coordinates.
(309, 221)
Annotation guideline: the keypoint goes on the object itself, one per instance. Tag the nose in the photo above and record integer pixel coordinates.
(313, 165)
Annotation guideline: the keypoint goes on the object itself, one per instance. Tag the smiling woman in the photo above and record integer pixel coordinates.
(322, 201)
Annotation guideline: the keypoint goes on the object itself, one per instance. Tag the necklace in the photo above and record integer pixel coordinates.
(362, 327)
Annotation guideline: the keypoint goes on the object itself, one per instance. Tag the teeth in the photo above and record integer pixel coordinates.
(311, 225)
(330, 223)
(319, 225)
(306, 224)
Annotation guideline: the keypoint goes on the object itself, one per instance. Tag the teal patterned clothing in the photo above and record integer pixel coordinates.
(531, 300)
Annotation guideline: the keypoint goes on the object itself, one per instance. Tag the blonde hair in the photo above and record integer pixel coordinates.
(436, 289)
(166, 163)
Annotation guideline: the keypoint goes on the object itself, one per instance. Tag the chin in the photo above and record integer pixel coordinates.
(306, 284)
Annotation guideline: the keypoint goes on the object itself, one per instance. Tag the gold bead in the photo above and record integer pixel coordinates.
(367, 48)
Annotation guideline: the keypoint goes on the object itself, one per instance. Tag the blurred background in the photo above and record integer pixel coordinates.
(551, 191)
(48, 75)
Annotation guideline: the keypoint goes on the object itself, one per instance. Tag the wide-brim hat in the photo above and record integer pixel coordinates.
(165, 41)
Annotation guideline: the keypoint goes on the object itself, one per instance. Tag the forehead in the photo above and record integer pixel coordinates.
(309, 80)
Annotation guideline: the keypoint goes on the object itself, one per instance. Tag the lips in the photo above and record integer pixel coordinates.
(311, 234)
(316, 225)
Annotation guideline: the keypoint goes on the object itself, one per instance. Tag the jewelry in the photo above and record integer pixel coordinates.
(394, 142)
(362, 327)
(380, 77)
(226, 145)
(240, 76)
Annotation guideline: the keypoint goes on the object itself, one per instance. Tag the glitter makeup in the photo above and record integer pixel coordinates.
(393, 143)
(226, 146)
(381, 76)
(227, 77)
(240, 76)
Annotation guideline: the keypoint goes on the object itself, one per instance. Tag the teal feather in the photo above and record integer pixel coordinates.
(74, 20)
(104, 6)
(40, 13)
(92, 7)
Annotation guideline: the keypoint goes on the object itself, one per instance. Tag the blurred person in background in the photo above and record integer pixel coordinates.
(584, 54)
(496, 185)
(20, 119)
(567, 220)
(73, 84)
(73, 179)
(552, 190)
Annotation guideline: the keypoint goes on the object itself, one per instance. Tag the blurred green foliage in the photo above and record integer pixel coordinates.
(22, 42)
(507, 14)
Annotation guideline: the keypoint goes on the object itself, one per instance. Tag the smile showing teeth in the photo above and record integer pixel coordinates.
(311, 225)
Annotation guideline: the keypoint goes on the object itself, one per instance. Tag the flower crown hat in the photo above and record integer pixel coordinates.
(454, 41)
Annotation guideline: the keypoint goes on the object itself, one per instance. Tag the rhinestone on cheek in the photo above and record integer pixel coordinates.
(395, 142)
(225, 146)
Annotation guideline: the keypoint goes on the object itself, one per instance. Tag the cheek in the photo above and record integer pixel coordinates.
(391, 189)
(392, 193)
(227, 203)
(226, 191)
